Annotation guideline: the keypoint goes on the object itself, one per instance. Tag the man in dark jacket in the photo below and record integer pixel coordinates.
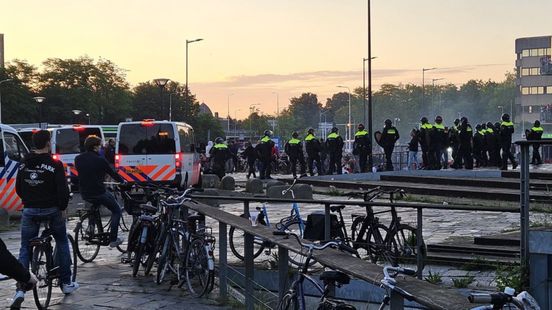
(362, 147)
(294, 150)
(506, 132)
(334, 143)
(478, 140)
(312, 146)
(42, 187)
(264, 149)
(219, 155)
(465, 136)
(12, 268)
(490, 141)
(536, 134)
(425, 140)
(92, 171)
(438, 141)
(454, 142)
(251, 156)
(389, 135)
(109, 152)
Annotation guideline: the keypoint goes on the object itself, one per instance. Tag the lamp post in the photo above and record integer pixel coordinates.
(161, 82)
(370, 116)
(228, 115)
(433, 89)
(170, 102)
(39, 100)
(277, 110)
(423, 84)
(501, 109)
(76, 112)
(349, 120)
(88, 116)
(1, 82)
(187, 89)
(364, 115)
(236, 122)
(251, 109)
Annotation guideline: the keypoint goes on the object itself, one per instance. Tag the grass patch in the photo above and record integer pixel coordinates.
(478, 264)
(463, 282)
(434, 278)
(512, 276)
(333, 191)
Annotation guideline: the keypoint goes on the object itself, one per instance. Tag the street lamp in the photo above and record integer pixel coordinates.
(1, 82)
(228, 115)
(251, 109)
(423, 83)
(188, 42)
(39, 100)
(364, 115)
(88, 116)
(433, 90)
(161, 82)
(370, 116)
(501, 109)
(170, 103)
(236, 122)
(349, 121)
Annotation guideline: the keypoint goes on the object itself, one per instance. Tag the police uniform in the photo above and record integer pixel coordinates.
(312, 145)
(362, 148)
(264, 149)
(294, 150)
(219, 155)
(465, 136)
(425, 141)
(334, 143)
(437, 143)
(536, 134)
(389, 136)
(506, 132)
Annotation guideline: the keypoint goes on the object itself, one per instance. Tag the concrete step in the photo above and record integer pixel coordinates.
(507, 183)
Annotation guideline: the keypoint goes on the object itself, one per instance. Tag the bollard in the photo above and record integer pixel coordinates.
(419, 243)
(283, 265)
(249, 272)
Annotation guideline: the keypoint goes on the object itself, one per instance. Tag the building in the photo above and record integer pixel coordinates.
(534, 82)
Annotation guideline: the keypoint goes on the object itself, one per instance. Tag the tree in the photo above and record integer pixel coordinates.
(17, 103)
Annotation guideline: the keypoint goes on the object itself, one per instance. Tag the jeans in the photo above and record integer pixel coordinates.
(110, 203)
(412, 159)
(30, 225)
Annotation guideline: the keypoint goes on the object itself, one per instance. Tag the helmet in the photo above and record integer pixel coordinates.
(490, 125)
(388, 122)
(268, 133)
(506, 117)
(295, 134)
(478, 127)
(464, 119)
(334, 129)
(483, 126)
(423, 120)
(497, 125)
(311, 131)
(219, 140)
(537, 123)
(360, 126)
(456, 121)
(438, 119)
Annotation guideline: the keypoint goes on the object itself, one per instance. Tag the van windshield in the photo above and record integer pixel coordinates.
(71, 140)
(27, 137)
(135, 139)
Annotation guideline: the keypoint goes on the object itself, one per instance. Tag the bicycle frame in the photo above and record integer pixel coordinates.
(297, 289)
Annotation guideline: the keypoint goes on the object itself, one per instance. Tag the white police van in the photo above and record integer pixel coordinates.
(157, 151)
(13, 152)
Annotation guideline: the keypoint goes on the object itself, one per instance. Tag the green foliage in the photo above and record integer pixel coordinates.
(463, 282)
(478, 264)
(434, 278)
(511, 276)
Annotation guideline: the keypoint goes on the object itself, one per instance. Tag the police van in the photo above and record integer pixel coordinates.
(26, 135)
(157, 151)
(13, 152)
(68, 142)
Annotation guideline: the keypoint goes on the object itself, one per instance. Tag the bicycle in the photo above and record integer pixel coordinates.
(389, 284)
(501, 300)
(394, 243)
(45, 265)
(294, 298)
(293, 223)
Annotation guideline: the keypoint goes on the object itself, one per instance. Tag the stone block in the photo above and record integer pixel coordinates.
(254, 186)
(228, 183)
(301, 191)
(271, 183)
(210, 181)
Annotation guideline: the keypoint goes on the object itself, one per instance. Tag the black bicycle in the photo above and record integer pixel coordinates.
(45, 264)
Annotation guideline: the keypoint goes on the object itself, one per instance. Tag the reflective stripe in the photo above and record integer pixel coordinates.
(481, 132)
(490, 130)
(426, 126)
(507, 124)
(333, 135)
(537, 129)
(309, 137)
(361, 133)
(220, 146)
(265, 139)
(391, 131)
(294, 141)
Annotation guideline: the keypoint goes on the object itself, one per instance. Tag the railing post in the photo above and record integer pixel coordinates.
(249, 271)
(396, 301)
(246, 208)
(282, 271)
(524, 204)
(327, 222)
(419, 243)
(223, 260)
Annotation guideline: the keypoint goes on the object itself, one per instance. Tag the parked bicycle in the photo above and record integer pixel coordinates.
(504, 300)
(294, 298)
(389, 284)
(45, 265)
(393, 244)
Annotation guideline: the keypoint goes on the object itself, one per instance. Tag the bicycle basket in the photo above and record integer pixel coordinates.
(314, 227)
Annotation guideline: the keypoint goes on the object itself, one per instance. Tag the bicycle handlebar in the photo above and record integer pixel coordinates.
(312, 246)
(285, 191)
(397, 270)
(495, 299)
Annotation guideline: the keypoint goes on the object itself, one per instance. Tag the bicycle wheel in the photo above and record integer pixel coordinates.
(139, 252)
(164, 261)
(237, 241)
(405, 245)
(374, 246)
(73, 252)
(197, 268)
(40, 264)
(286, 302)
(87, 249)
(296, 259)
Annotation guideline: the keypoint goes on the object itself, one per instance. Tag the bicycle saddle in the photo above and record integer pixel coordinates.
(197, 217)
(148, 208)
(336, 208)
(335, 276)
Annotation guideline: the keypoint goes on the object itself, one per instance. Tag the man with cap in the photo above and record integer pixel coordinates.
(425, 140)
(312, 146)
(294, 150)
(389, 135)
(264, 149)
(536, 134)
(362, 147)
(437, 142)
(334, 143)
(506, 132)
(465, 136)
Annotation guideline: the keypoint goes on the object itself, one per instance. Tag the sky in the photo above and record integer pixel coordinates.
(268, 51)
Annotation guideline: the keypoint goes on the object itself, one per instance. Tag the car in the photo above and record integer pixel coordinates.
(14, 151)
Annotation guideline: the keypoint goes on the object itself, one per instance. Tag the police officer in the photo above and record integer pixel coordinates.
(250, 154)
(536, 134)
(478, 139)
(498, 146)
(437, 142)
(312, 145)
(362, 147)
(334, 143)
(490, 141)
(454, 142)
(264, 149)
(506, 132)
(219, 155)
(294, 150)
(389, 135)
(484, 147)
(465, 136)
(425, 140)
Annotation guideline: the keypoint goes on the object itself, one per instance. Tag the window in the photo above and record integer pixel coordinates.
(530, 71)
(186, 136)
(535, 52)
(525, 53)
(135, 139)
(549, 89)
(525, 90)
(524, 71)
(71, 140)
(534, 71)
(15, 149)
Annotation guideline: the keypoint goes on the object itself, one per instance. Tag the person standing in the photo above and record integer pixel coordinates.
(506, 132)
(498, 145)
(43, 189)
(334, 143)
(454, 142)
(362, 147)
(413, 150)
(219, 156)
(109, 152)
(294, 150)
(465, 136)
(478, 139)
(536, 134)
(389, 136)
(490, 140)
(251, 156)
(425, 140)
(437, 143)
(312, 146)
(484, 147)
(264, 149)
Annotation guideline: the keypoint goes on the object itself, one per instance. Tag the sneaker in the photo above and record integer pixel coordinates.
(18, 300)
(116, 243)
(69, 288)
